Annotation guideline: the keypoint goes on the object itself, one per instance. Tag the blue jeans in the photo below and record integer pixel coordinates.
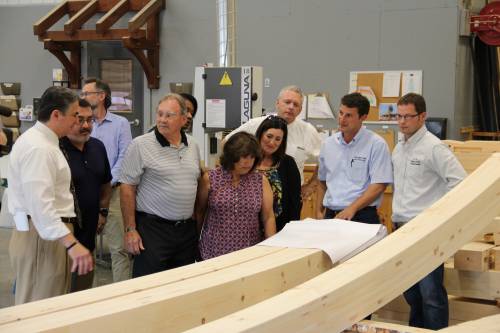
(428, 301)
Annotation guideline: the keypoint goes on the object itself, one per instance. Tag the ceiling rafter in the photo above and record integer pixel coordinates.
(141, 37)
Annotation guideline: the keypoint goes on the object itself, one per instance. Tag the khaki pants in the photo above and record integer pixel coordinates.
(113, 234)
(42, 267)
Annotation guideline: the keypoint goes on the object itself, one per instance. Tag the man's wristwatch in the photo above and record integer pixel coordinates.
(104, 211)
(129, 229)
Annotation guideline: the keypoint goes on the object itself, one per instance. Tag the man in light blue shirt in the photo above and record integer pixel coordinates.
(354, 166)
(114, 132)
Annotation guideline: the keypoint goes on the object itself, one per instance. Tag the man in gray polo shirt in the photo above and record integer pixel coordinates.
(159, 179)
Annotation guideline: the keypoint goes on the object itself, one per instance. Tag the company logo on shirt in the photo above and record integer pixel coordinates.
(415, 162)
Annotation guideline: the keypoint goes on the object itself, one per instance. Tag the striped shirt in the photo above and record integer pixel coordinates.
(166, 176)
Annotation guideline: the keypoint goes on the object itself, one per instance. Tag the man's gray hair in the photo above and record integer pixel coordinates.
(293, 88)
(177, 98)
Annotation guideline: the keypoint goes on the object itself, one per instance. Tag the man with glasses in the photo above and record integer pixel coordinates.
(303, 140)
(114, 131)
(424, 170)
(354, 166)
(159, 179)
(91, 176)
(43, 249)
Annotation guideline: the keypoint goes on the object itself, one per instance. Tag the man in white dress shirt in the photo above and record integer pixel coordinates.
(424, 170)
(43, 249)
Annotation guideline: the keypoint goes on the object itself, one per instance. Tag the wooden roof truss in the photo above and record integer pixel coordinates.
(141, 37)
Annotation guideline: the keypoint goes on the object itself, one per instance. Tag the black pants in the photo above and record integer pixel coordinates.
(365, 215)
(166, 244)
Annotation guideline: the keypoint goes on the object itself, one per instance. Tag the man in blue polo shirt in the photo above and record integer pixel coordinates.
(91, 176)
(114, 131)
(354, 166)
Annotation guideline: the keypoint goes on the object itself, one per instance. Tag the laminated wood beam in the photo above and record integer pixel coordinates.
(104, 293)
(480, 285)
(460, 310)
(82, 16)
(42, 25)
(112, 16)
(488, 324)
(344, 295)
(143, 16)
(188, 303)
(474, 256)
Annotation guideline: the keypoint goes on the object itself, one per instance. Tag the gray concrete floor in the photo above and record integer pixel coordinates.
(102, 275)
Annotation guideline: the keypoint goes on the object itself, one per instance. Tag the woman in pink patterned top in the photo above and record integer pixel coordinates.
(233, 199)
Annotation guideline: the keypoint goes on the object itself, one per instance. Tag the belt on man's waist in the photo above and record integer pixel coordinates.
(64, 219)
(175, 223)
(335, 212)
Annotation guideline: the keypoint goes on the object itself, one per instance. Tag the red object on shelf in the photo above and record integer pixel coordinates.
(487, 24)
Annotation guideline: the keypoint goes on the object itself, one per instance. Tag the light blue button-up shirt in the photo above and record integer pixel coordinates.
(114, 132)
(349, 168)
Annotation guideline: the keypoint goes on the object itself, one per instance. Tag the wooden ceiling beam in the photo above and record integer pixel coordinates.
(142, 42)
(152, 8)
(82, 16)
(51, 18)
(93, 35)
(112, 16)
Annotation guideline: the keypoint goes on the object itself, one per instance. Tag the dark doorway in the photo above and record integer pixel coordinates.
(116, 66)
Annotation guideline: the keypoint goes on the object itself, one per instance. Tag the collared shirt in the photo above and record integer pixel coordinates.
(425, 169)
(89, 171)
(303, 142)
(114, 132)
(348, 168)
(166, 176)
(39, 182)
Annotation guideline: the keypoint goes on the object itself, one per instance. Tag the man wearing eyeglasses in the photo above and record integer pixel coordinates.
(114, 131)
(91, 176)
(159, 179)
(354, 166)
(424, 170)
(303, 140)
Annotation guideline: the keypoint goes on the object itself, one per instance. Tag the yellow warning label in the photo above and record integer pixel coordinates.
(226, 80)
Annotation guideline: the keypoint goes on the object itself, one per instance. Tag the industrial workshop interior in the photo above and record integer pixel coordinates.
(250, 166)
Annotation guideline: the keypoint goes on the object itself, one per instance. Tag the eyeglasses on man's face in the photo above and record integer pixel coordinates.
(82, 120)
(406, 116)
(84, 94)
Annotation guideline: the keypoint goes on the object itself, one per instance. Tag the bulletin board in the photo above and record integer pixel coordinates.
(375, 80)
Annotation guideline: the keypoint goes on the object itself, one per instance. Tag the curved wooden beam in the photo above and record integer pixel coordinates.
(188, 303)
(71, 64)
(344, 295)
(108, 292)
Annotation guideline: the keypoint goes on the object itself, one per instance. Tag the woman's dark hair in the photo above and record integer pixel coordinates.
(55, 98)
(278, 123)
(193, 101)
(237, 146)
